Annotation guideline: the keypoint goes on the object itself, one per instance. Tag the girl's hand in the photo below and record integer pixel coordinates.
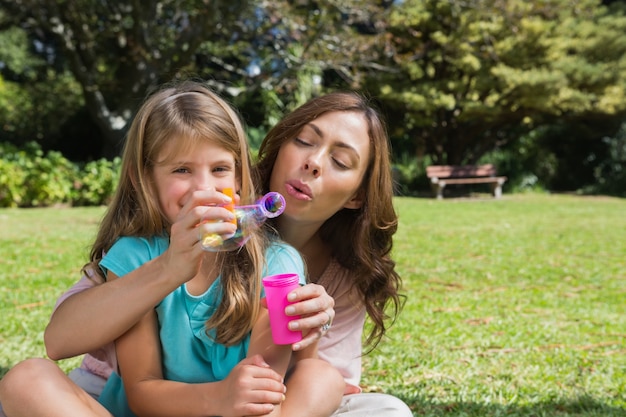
(202, 214)
(316, 307)
(252, 388)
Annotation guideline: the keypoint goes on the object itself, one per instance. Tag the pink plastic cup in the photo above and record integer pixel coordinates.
(276, 289)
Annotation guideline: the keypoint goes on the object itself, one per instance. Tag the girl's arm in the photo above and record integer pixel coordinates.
(251, 388)
(314, 387)
(276, 356)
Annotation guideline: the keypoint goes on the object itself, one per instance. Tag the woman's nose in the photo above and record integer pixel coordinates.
(311, 165)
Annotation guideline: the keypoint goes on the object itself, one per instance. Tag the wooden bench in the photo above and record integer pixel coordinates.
(442, 175)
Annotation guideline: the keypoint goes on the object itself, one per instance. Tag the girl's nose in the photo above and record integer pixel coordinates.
(203, 182)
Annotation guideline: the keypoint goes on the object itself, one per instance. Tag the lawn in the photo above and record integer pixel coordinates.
(515, 307)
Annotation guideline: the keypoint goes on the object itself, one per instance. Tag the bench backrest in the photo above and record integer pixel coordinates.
(460, 171)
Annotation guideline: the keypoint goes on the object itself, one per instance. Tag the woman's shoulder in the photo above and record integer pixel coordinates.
(338, 280)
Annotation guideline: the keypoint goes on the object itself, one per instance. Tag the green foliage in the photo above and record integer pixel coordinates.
(482, 74)
(12, 177)
(48, 179)
(118, 51)
(35, 98)
(15, 104)
(410, 174)
(97, 182)
(610, 174)
(31, 178)
(456, 80)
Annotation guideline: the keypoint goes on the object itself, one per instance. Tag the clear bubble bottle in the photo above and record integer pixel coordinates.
(248, 218)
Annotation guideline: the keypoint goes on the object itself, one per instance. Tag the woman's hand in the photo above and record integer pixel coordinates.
(316, 309)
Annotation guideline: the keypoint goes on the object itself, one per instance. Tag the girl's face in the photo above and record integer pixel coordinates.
(178, 174)
(320, 171)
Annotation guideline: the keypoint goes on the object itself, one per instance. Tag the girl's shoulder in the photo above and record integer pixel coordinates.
(277, 248)
(283, 258)
(130, 252)
(137, 243)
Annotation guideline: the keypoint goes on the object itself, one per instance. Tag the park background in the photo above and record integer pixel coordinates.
(514, 306)
(536, 87)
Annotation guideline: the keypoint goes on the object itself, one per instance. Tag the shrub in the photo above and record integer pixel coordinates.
(97, 182)
(30, 178)
(49, 179)
(12, 186)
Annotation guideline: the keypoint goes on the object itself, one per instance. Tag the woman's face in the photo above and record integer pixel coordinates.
(178, 174)
(320, 171)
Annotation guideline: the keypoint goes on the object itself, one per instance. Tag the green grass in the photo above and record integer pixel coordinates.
(515, 307)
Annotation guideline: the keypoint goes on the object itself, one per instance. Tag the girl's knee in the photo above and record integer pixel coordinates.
(27, 376)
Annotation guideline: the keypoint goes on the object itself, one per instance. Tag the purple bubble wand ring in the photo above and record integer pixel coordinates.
(249, 218)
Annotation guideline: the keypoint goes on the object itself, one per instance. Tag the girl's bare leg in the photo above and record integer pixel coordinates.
(38, 387)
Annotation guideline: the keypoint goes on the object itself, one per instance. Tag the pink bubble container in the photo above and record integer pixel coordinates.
(276, 289)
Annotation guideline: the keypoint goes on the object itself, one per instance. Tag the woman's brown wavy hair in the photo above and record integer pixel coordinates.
(360, 240)
(191, 113)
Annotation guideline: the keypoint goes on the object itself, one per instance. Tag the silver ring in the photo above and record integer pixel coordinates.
(326, 326)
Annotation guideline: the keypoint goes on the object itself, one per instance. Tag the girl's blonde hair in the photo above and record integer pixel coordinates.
(191, 113)
(361, 239)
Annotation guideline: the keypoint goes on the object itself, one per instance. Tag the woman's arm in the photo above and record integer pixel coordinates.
(97, 316)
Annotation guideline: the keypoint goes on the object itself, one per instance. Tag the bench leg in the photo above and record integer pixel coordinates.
(439, 190)
(497, 190)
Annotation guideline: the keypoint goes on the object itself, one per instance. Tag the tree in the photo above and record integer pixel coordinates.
(35, 100)
(481, 73)
(265, 55)
(117, 51)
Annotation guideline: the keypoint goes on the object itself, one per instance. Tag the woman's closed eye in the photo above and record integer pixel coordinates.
(340, 163)
(302, 142)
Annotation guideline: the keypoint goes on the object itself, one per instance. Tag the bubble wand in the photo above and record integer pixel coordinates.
(247, 218)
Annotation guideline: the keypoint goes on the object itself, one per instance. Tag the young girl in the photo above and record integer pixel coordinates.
(188, 355)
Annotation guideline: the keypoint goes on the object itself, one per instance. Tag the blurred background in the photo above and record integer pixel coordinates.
(536, 87)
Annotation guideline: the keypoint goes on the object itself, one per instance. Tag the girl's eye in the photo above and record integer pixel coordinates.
(181, 170)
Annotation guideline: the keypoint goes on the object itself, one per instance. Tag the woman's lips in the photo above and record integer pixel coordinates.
(298, 190)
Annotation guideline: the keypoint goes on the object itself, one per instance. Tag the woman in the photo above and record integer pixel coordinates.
(330, 159)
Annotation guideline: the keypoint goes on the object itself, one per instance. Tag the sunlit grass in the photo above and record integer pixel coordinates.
(515, 307)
